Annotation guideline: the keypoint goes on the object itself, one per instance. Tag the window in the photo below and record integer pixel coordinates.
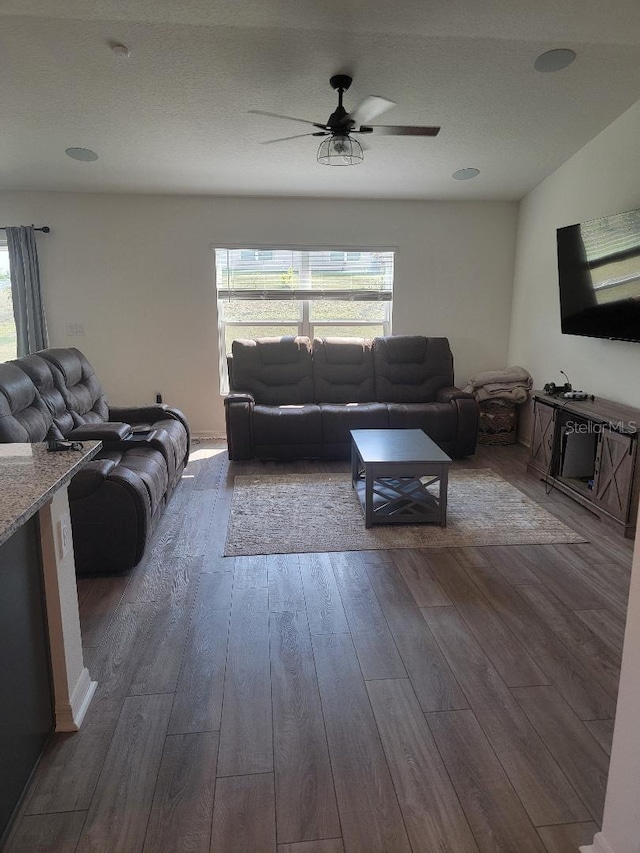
(317, 293)
(8, 342)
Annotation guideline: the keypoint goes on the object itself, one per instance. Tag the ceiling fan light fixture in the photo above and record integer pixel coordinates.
(340, 151)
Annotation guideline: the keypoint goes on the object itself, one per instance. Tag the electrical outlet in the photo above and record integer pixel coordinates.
(63, 528)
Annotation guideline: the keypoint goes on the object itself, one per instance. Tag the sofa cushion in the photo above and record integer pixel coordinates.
(276, 371)
(291, 432)
(438, 420)
(24, 417)
(338, 419)
(40, 372)
(343, 370)
(411, 368)
(78, 384)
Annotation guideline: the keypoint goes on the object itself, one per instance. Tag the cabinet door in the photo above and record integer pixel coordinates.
(542, 438)
(614, 473)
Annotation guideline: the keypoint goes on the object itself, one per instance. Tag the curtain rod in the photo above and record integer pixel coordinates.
(45, 228)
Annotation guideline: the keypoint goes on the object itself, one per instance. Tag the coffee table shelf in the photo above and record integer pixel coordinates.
(391, 470)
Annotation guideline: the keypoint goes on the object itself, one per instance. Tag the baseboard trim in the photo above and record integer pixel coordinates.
(197, 437)
(69, 718)
(600, 845)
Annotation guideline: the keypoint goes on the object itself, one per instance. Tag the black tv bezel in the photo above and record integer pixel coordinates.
(603, 337)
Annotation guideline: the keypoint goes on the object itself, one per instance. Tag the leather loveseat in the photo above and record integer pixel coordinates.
(293, 399)
(118, 497)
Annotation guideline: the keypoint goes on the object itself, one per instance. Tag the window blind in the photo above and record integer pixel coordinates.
(287, 274)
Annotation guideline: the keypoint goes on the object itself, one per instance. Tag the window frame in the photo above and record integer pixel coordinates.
(306, 325)
(4, 245)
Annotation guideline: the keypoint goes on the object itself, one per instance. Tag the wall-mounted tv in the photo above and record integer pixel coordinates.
(599, 274)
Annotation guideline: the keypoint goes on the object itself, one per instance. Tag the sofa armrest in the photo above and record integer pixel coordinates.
(238, 410)
(467, 428)
(446, 395)
(150, 415)
(239, 397)
(105, 431)
(144, 414)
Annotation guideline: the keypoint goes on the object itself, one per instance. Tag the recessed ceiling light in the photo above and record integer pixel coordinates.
(554, 60)
(85, 155)
(465, 174)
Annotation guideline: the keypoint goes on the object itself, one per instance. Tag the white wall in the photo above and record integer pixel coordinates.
(601, 179)
(621, 820)
(137, 271)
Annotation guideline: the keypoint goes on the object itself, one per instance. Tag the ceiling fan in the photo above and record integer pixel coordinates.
(340, 147)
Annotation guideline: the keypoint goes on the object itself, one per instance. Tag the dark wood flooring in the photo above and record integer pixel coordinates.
(434, 701)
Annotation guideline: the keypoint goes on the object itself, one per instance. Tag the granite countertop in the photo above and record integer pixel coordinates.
(30, 475)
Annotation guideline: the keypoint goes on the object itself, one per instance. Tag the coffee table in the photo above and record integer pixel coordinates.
(391, 470)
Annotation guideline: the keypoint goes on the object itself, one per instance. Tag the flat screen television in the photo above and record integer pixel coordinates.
(599, 275)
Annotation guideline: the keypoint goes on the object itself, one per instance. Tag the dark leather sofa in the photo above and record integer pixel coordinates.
(293, 399)
(118, 497)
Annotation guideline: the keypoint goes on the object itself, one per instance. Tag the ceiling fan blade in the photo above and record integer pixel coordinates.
(371, 108)
(401, 130)
(288, 118)
(297, 136)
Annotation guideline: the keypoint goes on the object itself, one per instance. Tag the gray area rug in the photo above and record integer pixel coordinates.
(299, 513)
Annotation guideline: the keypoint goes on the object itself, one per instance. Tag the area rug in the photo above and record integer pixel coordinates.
(301, 513)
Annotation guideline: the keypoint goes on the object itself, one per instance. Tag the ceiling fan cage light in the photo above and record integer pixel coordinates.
(340, 151)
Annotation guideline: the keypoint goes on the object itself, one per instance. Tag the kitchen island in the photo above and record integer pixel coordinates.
(44, 684)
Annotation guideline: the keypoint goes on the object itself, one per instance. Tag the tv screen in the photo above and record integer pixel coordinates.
(599, 275)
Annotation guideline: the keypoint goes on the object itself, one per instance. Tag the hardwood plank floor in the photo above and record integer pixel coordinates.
(567, 838)
(509, 657)
(197, 705)
(544, 790)
(47, 833)
(369, 813)
(97, 607)
(182, 808)
(375, 647)
(584, 762)
(577, 684)
(246, 734)
(119, 811)
(418, 773)
(324, 605)
(285, 583)
(495, 813)
(602, 730)
(306, 803)
(303, 703)
(328, 845)
(432, 679)
(244, 815)
(606, 625)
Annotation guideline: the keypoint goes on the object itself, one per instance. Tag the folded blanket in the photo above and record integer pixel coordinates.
(511, 384)
(509, 375)
(517, 394)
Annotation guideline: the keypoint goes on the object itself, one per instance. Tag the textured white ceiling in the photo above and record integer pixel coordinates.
(173, 117)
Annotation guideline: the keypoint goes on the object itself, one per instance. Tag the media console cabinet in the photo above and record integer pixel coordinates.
(589, 450)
